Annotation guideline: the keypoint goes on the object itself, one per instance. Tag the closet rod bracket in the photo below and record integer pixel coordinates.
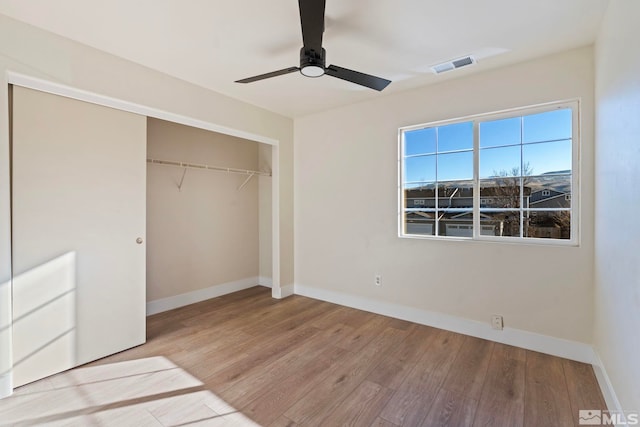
(246, 180)
(184, 172)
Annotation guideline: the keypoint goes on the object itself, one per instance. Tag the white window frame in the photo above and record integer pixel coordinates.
(574, 240)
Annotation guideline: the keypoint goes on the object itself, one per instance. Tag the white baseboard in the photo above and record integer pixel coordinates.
(169, 303)
(609, 394)
(517, 337)
(265, 281)
(283, 291)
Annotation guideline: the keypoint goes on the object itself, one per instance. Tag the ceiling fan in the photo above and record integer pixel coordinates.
(312, 54)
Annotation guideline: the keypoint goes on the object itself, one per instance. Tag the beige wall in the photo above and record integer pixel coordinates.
(205, 233)
(40, 54)
(346, 202)
(617, 260)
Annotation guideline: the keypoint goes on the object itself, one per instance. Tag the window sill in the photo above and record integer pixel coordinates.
(499, 240)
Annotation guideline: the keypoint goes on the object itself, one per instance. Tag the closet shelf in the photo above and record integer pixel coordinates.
(208, 167)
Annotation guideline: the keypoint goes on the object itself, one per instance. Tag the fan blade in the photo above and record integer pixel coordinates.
(268, 75)
(312, 21)
(358, 78)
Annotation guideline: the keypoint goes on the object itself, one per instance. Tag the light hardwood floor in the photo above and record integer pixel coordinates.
(247, 359)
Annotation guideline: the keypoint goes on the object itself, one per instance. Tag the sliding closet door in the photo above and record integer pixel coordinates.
(78, 211)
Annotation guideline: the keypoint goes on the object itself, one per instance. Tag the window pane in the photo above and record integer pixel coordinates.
(548, 225)
(543, 192)
(455, 195)
(548, 157)
(500, 193)
(547, 126)
(420, 141)
(414, 185)
(500, 132)
(420, 196)
(455, 137)
(504, 161)
(456, 224)
(505, 224)
(421, 223)
(420, 169)
(455, 166)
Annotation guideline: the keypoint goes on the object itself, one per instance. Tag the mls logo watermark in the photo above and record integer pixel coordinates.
(589, 417)
(597, 417)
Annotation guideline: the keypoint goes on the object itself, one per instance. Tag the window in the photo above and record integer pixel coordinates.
(504, 176)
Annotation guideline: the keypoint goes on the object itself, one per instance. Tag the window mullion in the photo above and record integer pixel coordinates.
(402, 203)
(476, 179)
(521, 176)
(436, 223)
(575, 172)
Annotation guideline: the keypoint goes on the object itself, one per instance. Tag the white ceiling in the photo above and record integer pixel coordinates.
(212, 43)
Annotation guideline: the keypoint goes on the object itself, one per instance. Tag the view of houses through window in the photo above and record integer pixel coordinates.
(491, 177)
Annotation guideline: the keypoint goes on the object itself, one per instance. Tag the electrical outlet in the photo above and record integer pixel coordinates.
(497, 322)
(378, 280)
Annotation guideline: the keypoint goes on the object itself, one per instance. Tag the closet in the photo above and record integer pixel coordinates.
(114, 211)
(203, 211)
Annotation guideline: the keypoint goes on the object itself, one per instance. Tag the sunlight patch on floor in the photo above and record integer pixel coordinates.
(142, 392)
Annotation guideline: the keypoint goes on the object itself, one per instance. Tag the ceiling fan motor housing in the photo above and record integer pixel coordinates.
(312, 63)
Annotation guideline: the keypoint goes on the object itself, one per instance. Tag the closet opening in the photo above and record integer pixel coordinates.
(209, 221)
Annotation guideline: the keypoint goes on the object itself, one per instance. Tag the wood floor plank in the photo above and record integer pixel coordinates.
(188, 409)
(584, 392)
(240, 315)
(221, 359)
(381, 422)
(303, 315)
(212, 312)
(546, 396)
(361, 407)
(412, 401)
(189, 329)
(363, 335)
(337, 316)
(244, 297)
(270, 403)
(244, 364)
(344, 315)
(283, 422)
(274, 316)
(471, 365)
(339, 382)
(400, 324)
(295, 362)
(451, 409)
(195, 359)
(394, 368)
(502, 398)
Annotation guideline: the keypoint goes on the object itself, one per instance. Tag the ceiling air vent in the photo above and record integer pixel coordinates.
(453, 64)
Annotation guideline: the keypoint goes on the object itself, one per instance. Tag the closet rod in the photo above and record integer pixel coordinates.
(209, 167)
